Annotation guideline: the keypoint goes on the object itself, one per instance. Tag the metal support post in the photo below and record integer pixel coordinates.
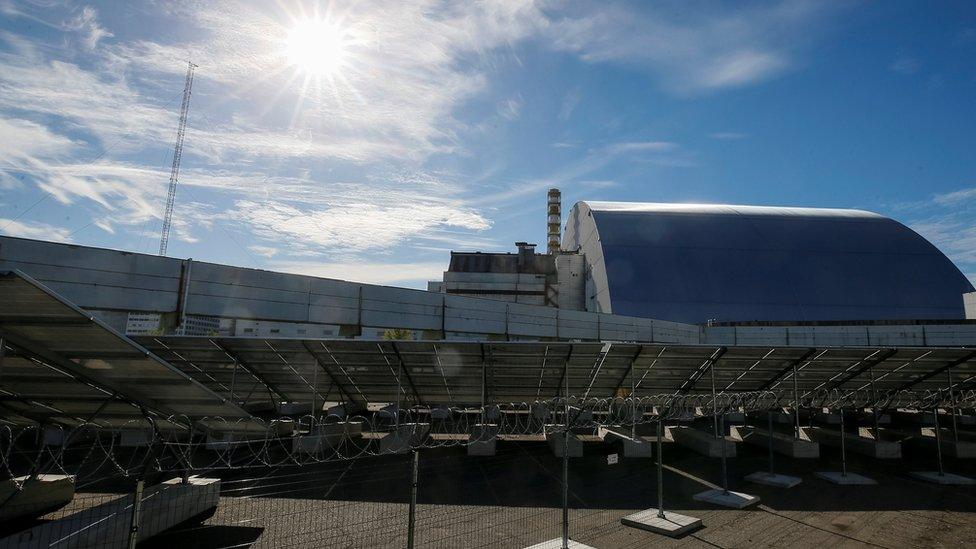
(796, 402)
(396, 420)
(233, 382)
(843, 445)
(412, 521)
(952, 402)
(484, 384)
(660, 470)
(2, 350)
(874, 406)
(719, 433)
(938, 440)
(136, 512)
(769, 421)
(711, 371)
(725, 472)
(633, 411)
(315, 390)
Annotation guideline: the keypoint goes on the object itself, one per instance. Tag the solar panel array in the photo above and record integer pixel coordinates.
(63, 366)
(469, 373)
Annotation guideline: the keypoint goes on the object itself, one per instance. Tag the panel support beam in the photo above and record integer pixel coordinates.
(272, 388)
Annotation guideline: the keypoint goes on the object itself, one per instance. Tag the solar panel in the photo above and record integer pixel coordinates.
(61, 364)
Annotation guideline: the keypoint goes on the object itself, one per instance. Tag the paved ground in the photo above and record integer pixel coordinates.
(513, 500)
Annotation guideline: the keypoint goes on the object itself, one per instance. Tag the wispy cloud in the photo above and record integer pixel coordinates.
(693, 50)
(32, 229)
(265, 251)
(511, 108)
(727, 136)
(640, 146)
(570, 101)
(86, 23)
(906, 65)
(357, 226)
(946, 220)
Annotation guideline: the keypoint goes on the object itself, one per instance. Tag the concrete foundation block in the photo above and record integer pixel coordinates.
(962, 419)
(671, 524)
(784, 418)
(630, 447)
(43, 494)
(404, 438)
(295, 408)
(483, 440)
(850, 479)
(338, 411)
(914, 417)
(735, 418)
(108, 525)
(327, 436)
(558, 544)
(555, 441)
(230, 435)
(704, 443)
(964, 448)
(730, 499)
(135, 438)
(53, 436)
(945, 479)
(540, 411)
(822, 416)
(878, 448)
(440, 413)
(773, 479)
(783, 444)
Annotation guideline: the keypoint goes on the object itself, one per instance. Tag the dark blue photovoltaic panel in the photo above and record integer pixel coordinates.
(747, 264)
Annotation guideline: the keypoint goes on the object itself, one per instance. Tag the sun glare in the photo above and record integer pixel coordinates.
(316, 46)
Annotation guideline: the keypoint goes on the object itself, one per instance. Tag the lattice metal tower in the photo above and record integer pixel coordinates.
(174, 174)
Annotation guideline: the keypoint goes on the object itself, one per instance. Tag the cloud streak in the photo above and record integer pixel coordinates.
(692, 51)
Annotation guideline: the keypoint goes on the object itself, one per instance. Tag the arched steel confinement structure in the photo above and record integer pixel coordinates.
(695, 262)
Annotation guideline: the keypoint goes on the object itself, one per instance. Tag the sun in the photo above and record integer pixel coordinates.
(316, 46)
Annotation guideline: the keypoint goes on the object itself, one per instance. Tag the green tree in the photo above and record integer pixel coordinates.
(397, 334)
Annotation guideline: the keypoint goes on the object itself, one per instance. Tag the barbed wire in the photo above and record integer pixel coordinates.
(178, 444)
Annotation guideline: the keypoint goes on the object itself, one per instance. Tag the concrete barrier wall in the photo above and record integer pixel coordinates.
(108, 280)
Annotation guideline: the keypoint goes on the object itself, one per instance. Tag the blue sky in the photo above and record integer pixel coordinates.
(440, 125)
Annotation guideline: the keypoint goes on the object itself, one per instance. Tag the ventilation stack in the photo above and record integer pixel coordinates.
(554, 221)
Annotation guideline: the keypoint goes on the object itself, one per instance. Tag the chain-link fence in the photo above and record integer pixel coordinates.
(382, 478)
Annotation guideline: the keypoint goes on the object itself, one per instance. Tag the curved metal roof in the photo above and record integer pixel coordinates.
(695, 262)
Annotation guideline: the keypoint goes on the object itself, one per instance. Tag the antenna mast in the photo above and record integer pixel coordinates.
(174, 173)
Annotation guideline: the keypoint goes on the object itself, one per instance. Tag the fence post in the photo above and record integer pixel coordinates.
(411, 524)
(565, 540)
(843, 444)
(938, 440)
(660, 470)
(719, 430)
(769, 423)
(136, 511)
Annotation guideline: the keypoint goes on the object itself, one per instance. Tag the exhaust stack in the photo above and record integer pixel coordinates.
(554, 221)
